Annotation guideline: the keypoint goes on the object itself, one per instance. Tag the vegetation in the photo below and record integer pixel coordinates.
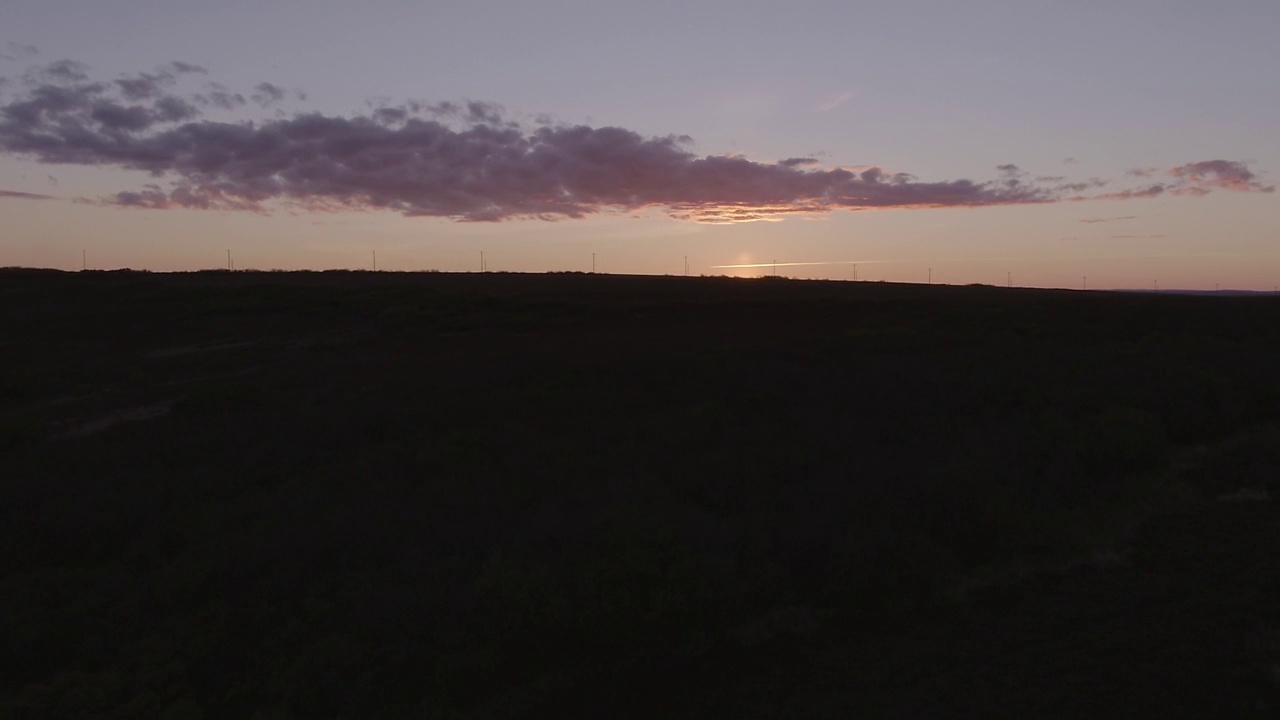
(403, 495)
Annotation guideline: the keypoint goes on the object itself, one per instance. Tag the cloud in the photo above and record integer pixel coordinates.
(1149, 191)
(267, 94)
(143, 86)
(465, 161)
(59, 71)
(1092, 220)
(457, 160)
(21, 49)
(219, 96)
(181, 68)
(156, 84)
(1195, 179)
(481, 112)
(1224, 174)
(1199, 178)
(23, 195)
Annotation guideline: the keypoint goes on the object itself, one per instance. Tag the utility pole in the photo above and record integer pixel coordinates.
(855, 272)
(482, 267)
(228, 261)
(686, 266)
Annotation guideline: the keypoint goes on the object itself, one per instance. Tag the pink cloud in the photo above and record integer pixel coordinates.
(1149, 191)
(1223, 174)
(14, 194)
(467, 161)
(1092, 220)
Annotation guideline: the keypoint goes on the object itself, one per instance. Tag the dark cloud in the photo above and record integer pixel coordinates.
(119, 117)
(155, 84)
(59, 71)
(489, 171)
(219, 96)
(390, 115)
(23, 195)
(178, 67)
(22, 50)
(51, 116)
(463, 160)
(265, 94)
(472, 112)
(172, 109)
(480, 112)
(143, 86)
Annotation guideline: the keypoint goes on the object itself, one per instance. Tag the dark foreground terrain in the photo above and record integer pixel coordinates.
(324, 495)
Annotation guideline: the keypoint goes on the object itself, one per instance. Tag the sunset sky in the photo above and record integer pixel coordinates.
(1130, 142)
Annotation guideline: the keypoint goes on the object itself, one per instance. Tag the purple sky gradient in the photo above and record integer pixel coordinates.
(310, 134)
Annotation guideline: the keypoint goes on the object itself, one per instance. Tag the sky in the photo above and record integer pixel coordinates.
(1049, 144)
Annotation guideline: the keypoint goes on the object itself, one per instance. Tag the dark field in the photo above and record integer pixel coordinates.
(357, 495)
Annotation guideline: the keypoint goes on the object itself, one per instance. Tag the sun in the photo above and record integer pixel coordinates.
(745, 258)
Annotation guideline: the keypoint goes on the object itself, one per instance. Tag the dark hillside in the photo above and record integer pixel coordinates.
(344, 494)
